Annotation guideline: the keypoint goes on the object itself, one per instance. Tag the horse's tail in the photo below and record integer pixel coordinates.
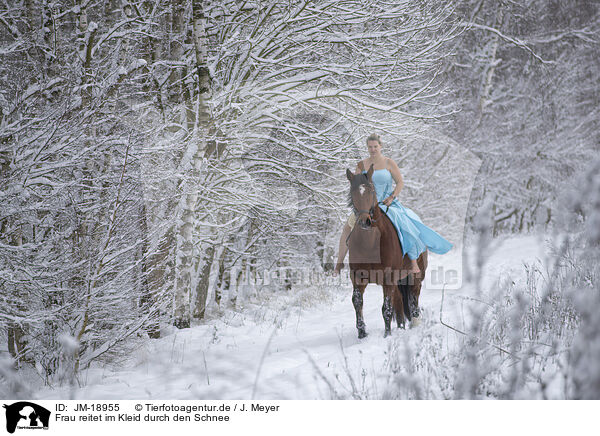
(404, 289)
(398, 311)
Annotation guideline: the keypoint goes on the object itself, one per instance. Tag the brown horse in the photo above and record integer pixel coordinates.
(376, 256)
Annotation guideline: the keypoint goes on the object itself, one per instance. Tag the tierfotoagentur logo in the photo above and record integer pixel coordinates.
(26, 415)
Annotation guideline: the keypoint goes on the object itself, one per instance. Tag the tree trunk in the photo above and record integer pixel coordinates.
(17, 344)
(222, 279)
(203, 283)
(486, 88)
(196, 149)
(148, 299)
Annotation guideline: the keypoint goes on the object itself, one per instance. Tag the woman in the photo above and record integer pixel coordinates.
(414, 236)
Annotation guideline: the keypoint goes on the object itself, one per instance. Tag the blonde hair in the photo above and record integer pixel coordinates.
(374, 137)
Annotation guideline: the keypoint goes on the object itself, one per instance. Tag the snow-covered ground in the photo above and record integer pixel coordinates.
(299, 346)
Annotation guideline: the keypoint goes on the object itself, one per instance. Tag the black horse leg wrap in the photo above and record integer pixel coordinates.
(387, 308)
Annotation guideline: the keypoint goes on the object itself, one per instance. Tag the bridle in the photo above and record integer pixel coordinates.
(370, 211)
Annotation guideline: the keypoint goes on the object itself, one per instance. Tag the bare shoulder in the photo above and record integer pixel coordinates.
(391, 164)
(393, 168)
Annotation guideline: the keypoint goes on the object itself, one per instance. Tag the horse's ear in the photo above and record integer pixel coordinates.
(349, 174)
(370, 172)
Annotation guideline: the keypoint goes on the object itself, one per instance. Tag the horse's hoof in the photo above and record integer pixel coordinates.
(362, 334)
(415, 323)
(401, 326)
(387, 333)
(415, 312)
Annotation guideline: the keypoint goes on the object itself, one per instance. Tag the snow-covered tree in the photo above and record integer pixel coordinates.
(148, 143)
(525, 75)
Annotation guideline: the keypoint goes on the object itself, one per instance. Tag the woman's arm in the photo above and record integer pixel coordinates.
(395, 171)
(397, 177)
(358, 169)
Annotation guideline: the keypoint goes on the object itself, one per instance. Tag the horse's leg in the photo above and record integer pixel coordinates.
(404, 287)
(357, 301)
(414, 308)
(413, 300)
(415, 291)
(387, 309)
(398, 307)
(412, 289)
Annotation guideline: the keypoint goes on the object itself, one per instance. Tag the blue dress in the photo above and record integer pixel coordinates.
(414, 236)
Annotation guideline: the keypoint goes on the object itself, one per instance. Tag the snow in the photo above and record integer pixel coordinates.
(292, 347)
(69, 343)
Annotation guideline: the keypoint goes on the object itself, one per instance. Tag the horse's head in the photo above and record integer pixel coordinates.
(362, 197)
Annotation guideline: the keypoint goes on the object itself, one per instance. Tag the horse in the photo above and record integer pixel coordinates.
(376, 256)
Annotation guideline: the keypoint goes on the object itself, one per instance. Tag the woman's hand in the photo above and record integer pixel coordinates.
(388, 200)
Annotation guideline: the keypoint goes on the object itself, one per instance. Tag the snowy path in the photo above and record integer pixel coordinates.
(238, 358)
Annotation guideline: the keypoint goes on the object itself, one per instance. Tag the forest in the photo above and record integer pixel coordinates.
(165, 164)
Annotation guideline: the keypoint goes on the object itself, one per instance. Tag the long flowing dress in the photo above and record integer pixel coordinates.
(414, 236)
